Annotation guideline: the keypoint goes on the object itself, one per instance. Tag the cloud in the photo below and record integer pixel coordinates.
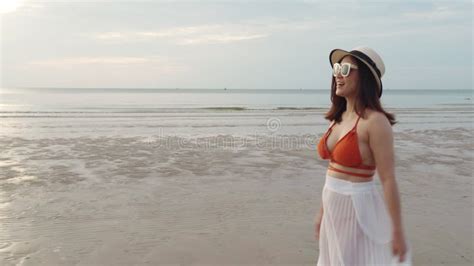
(222, 38)
(159, 63)
(213, 33)
(188, 35)
(7, 6)
(437, 13)
(183, 31)
(93, 60)
(110, 35)
(20, 6)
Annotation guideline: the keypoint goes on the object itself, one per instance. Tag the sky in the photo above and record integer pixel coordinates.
(230, 44)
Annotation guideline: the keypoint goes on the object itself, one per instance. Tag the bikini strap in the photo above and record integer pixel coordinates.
(332, 124)
(357, 122)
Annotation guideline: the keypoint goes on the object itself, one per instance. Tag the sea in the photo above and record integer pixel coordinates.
(40, 112)
(112, 100)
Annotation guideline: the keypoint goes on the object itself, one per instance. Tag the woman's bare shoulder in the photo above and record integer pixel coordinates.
(377, 120)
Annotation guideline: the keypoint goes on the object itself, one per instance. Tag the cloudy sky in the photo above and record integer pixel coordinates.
(232, 44)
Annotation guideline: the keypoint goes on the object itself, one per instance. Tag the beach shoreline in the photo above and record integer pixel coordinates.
(215, 199)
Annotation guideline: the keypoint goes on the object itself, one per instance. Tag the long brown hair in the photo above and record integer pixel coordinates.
(366, 96)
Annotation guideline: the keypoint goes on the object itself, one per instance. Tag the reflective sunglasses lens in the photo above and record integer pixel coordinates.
(336, 69)
(345, 70)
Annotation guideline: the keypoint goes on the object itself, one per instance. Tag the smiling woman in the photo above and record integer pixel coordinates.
(7, 6)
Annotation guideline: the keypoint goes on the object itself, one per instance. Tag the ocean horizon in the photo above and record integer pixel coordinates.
(41, 112)
(119, 100)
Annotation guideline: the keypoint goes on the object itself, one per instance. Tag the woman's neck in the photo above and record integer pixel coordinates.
(350, 108)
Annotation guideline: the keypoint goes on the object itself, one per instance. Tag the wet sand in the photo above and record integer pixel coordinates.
(214, 200)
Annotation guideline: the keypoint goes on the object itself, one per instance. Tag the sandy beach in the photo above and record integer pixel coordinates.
(225, 187)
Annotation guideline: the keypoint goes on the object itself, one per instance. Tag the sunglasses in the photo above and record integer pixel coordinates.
(344, 69)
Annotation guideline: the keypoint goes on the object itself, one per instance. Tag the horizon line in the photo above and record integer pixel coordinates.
(197, 88)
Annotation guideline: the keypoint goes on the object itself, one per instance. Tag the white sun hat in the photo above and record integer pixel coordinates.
(368, 56)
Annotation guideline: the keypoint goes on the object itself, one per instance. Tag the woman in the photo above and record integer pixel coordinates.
(355, 226)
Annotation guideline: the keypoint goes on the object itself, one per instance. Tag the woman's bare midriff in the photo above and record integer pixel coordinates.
(349, 177)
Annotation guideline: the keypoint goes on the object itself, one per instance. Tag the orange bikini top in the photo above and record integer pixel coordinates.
(345, 152)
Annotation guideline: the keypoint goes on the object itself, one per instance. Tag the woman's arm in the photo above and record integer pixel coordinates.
(381, 144)
(317, 222)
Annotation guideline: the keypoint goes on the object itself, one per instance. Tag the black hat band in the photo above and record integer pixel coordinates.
(368, 60)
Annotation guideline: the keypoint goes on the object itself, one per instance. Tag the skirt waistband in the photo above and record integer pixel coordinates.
(348, 187)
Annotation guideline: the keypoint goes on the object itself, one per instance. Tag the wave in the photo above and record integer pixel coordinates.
(113, 110)
(300, 108)
(230, 108)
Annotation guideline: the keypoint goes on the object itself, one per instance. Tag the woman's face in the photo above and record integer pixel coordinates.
(347, 86)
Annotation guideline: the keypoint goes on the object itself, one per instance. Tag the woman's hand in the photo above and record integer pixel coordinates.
(317, 226)
(399, 246)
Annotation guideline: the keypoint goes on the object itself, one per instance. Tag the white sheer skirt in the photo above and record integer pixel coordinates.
(356, 228)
